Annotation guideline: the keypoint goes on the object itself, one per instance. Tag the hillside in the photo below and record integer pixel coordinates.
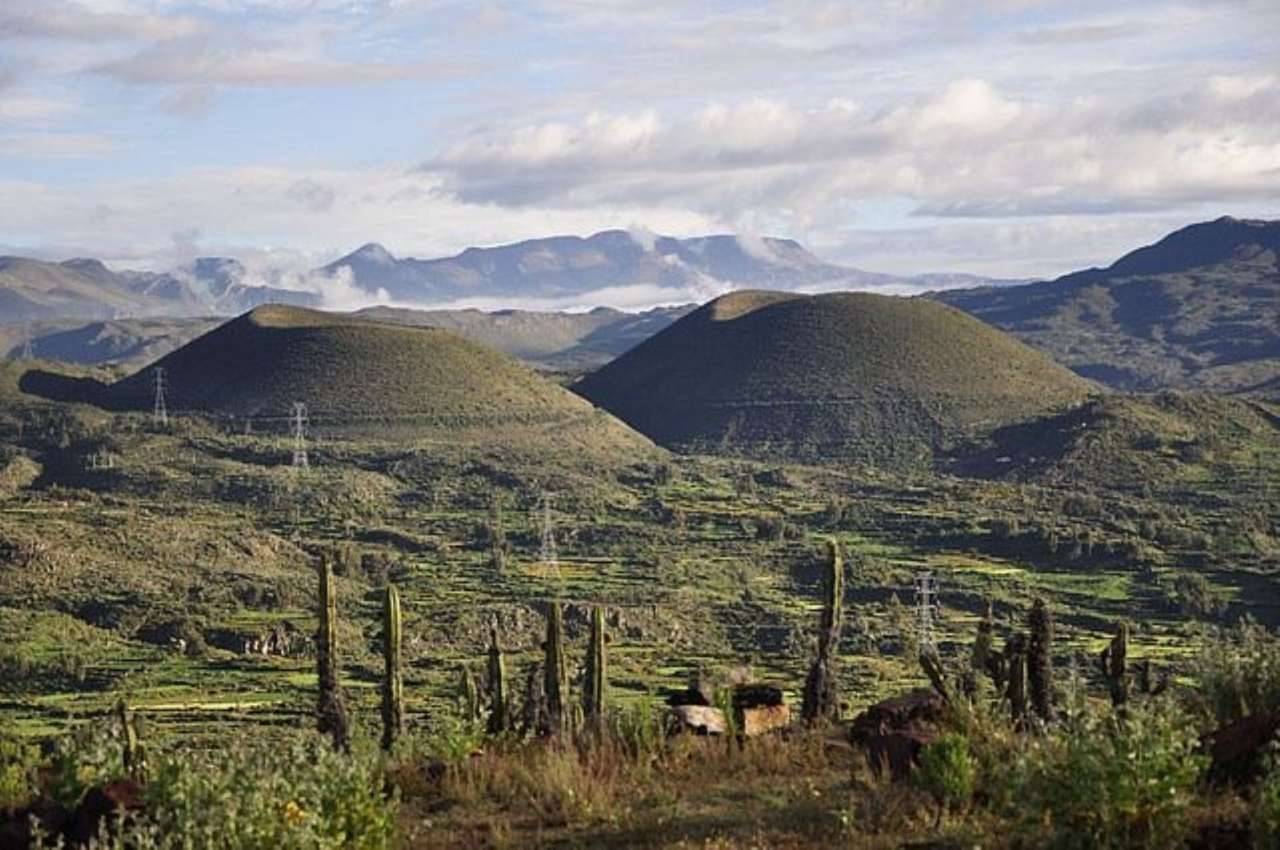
(1131, 442)
(828, 376)
(127, 343)
(358, 375)
(1198, 309)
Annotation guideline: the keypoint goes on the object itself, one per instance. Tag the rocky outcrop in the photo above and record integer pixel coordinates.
(893, 732)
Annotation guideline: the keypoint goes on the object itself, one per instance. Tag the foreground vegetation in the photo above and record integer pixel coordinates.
(174, 567)
(1137, 775)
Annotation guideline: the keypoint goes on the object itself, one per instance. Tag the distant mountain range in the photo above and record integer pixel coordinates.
(1200, 308)
(557, 272)
(87, 289)
(599, 267)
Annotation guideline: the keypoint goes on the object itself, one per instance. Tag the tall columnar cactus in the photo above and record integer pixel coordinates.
(393, 674)
(984, 643)
(130, 749)
(1114, 662)
(1015, 663)
(1040, 659)
(469, 695)
(821, 690)
(331, 712)
(555, 671)
(596, 684)
(499, 708)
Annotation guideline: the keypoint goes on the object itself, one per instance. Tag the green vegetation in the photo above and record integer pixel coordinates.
(845, 376)
(187, 580)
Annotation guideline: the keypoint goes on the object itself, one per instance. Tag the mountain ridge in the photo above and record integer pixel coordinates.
(1199, 308)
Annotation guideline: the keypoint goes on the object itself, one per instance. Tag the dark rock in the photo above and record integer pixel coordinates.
(893, 732)
(102, 803)
(1236, 749)
(756, 695)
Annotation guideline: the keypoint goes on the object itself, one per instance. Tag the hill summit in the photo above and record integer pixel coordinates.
(359, 375)
(840, 375)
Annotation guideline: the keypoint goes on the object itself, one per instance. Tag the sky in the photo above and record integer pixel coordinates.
(1010, 138)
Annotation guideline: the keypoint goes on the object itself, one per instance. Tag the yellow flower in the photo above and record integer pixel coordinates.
(293, 813)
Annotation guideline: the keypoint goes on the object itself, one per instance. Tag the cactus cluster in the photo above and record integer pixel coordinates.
(821, 689)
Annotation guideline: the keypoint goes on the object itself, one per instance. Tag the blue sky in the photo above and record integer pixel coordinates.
(1005, 137)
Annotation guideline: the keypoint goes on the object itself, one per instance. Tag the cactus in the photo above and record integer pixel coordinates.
(596, 684)
(393, 675)
(469, 695)
(555, 672)
(984, 660)
(1040, 659)
(821, 690)
(331, 712)
(931, 664)
(130, 750)
(1015, 663)
(497, 533)
(499, 721)
(1114, 662)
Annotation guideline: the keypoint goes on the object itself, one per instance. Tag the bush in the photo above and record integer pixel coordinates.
(1108, 781)
(18, 764)
(1237, 673)
(946, 772)
(1265, 826)
(288, 795)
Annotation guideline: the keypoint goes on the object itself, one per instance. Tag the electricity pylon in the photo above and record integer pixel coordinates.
(28, 352)
(159, 413)
(300, 435)
(547, 552)
(926, 609)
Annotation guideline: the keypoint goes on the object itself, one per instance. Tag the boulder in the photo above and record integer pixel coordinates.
(1236, 749)
(764, 719)
(698, 719)
(893, 732)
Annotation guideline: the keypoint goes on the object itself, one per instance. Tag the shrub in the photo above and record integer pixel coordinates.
(295, 794)
(18, 763)
(1108, 781)
(1237, 673)
(1265, 826)
(946, 772)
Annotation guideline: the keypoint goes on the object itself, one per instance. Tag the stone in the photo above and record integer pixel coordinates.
(698, 719)
(893, 732)
(1236, 749)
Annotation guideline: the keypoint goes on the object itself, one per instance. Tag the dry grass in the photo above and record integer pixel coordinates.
(800, 791)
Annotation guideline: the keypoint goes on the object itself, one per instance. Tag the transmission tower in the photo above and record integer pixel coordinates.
(548, 553)
(926, 609)
(300, 435)
(160, 414)
(28, 351)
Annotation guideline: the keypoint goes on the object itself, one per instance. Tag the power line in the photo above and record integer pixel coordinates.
(300, 436)
(160, 413)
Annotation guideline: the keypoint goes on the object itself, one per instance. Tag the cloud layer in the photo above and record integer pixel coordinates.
(1004, 137)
